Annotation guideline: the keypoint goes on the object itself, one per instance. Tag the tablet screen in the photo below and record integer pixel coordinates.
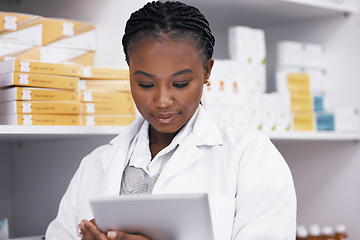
(158, 216)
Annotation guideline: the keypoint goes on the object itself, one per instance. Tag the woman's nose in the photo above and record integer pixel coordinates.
(163, 98)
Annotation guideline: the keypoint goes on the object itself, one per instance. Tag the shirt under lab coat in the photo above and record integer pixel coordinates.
(250, 186)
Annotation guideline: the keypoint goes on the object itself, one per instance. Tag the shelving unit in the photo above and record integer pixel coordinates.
(269, 12)
(23, 133)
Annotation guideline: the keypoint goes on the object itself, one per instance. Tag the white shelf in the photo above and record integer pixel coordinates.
(316, 136)
(323, 5)
(267, 13)
(23, 133)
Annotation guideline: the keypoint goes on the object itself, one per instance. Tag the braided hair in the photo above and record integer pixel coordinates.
(175, 20)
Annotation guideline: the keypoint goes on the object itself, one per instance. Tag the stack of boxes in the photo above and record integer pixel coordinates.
(105, 97)
(239, 81)
(301, 73)
(38, 93)
(41, 63)
(33, 37)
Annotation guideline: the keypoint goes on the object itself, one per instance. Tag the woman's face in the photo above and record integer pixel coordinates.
(167, 79)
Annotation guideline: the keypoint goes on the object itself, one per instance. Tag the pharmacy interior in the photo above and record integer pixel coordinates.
(287, 68)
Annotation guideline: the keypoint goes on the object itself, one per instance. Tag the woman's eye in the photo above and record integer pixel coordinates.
(180, 85)
(146, 85)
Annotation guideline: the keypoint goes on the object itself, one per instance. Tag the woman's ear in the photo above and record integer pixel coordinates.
(207, 69)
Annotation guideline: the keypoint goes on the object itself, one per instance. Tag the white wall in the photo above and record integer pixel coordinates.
(42, 172)
(6, 181)
(326, 177)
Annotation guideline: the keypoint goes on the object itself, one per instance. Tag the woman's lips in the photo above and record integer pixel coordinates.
(165, 118)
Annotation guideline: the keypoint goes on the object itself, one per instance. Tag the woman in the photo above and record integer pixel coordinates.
(175, 147)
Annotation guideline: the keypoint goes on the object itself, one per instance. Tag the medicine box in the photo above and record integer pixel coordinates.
(103, 96)
(108, 108)
(32, 66)
(325, 121)
(303, 121)
(107, 119)
(40, 119)
(347, 119)
(105, 85)
(92, 72)
(41, 31)
(37, 94)
(301, 102)
(38, 80)
(37, 107)
(50, 54)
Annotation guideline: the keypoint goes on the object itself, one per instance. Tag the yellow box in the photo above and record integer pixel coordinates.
(41, 31)
(38, 80)
(68, 34)
(298, 82)
(37, 94)
(92, 72)
(46, 54)
(20, 28)
(105, 85)
(107, 120)
(108, 108)
(301, 102)
(43, 107)
(303, 121)
(102, 96)
(39, 119)
(32, 66)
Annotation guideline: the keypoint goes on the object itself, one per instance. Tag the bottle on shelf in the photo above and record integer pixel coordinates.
(302, 233)
(314, 232)
(328, 233)
(341, 233)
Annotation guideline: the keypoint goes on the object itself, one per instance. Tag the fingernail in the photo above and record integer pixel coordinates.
(111, 234)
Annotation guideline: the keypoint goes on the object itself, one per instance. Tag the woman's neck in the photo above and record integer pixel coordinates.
(158, 140)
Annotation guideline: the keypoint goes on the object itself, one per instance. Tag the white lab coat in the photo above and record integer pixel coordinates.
(250, 186)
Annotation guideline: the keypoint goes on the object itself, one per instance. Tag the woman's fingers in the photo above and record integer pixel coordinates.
(114, 235)
(90, 232)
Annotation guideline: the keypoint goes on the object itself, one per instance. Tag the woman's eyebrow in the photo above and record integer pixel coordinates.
(183, 72)
(143, 73)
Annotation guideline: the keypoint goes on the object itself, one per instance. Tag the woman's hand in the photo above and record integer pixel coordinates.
(89, 231)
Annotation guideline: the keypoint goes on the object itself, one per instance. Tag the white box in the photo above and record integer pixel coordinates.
(301, 54)
(238, 41)
(347, 119)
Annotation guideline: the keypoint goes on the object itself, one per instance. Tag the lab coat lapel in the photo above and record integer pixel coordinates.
(115, 159)
(204, 133)
(186, 154)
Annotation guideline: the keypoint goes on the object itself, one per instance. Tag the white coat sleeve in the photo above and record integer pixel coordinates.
(265, 199)
(64, 226)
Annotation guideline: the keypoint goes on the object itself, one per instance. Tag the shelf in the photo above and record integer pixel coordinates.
(315, 136)
(323, 5)
(24, 133)
(267, 13)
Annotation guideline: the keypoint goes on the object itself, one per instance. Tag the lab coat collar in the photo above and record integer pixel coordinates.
(114, 161)
(205, 131)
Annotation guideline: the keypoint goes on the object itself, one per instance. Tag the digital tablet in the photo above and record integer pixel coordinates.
(158, 216)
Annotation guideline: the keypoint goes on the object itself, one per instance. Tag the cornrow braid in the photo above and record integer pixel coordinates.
(175, 19)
